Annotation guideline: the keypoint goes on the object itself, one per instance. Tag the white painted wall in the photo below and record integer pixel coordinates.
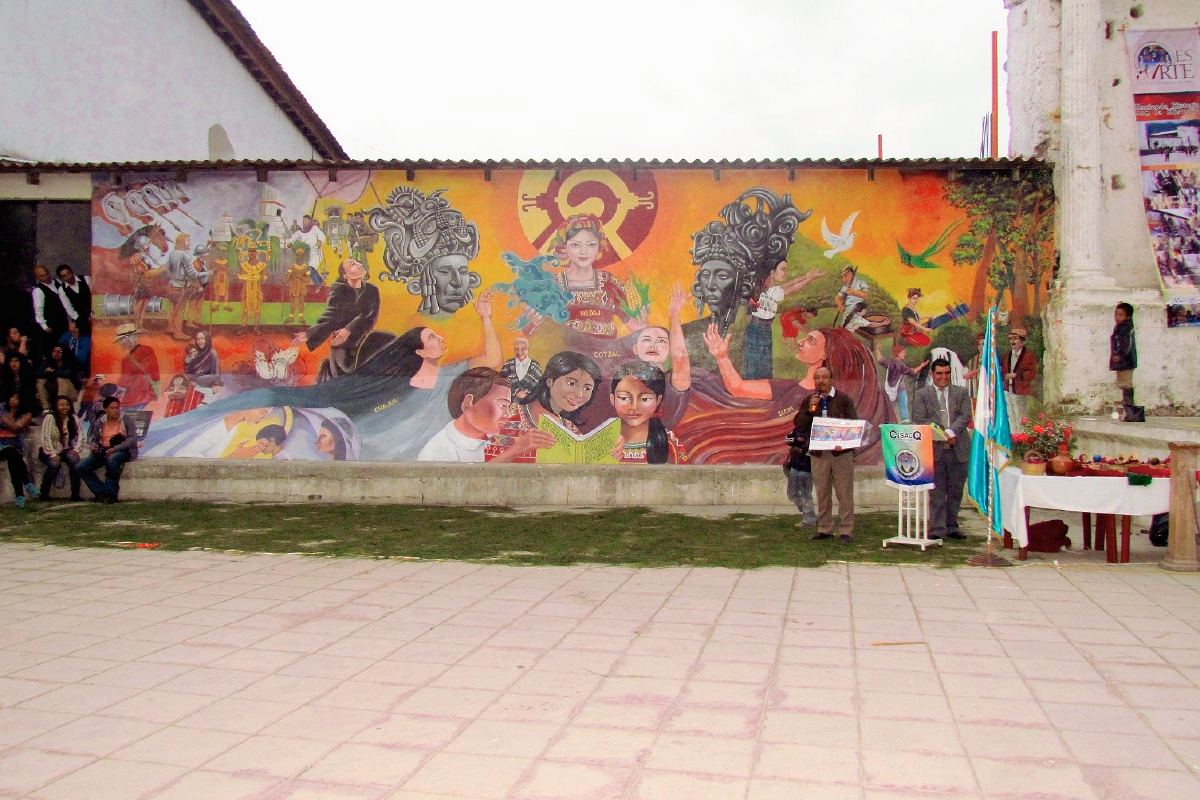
(1079, 317)
(128, 80)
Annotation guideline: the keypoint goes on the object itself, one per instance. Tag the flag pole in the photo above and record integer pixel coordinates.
(987, 362)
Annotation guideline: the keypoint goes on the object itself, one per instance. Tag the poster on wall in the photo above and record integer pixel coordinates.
(657, 316)
(1166, 100)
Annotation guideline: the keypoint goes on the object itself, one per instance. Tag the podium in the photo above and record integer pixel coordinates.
(912, 522)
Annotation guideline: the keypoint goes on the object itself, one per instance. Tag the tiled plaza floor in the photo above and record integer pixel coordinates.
(131, 674)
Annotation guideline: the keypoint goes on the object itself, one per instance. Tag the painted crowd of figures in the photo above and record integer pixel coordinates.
(610, 387)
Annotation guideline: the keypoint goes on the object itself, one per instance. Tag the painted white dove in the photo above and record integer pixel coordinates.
(842, 242)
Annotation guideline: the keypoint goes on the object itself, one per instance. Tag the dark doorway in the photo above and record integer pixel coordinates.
(38, 232)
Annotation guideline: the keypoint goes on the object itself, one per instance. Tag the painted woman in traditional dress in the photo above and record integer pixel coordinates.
(567, 388)
(598, 299)
(637, 392)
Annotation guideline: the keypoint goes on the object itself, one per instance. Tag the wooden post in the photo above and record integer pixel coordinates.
(1108, 524)
(994, 144)
(1181, 546)
(1125, 532)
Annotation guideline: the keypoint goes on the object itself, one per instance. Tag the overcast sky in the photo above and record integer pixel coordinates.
(642, 78)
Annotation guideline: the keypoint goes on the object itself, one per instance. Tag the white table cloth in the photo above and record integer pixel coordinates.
(1019, 491)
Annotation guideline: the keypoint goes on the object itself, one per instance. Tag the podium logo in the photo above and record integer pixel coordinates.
(907, 464)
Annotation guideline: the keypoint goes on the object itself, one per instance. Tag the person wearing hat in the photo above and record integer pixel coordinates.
(1020, 370)
(851, 299)
(139, 369)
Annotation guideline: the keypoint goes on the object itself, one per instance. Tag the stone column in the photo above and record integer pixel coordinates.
(1075, 362)
(1181, 554)
(1080, 182)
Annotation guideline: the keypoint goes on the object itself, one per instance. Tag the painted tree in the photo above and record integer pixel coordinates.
(1009, 238)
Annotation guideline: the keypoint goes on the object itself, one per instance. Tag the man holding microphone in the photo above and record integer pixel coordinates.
(832, 470)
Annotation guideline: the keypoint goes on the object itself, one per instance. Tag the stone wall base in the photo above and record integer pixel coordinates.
(212, 480)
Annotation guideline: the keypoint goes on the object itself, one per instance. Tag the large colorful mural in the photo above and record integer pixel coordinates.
(556, 316)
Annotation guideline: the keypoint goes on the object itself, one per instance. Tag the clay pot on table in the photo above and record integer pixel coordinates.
(1061, 464)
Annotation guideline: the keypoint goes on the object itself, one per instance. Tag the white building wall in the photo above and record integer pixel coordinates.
(130, 80)
(1078, 319)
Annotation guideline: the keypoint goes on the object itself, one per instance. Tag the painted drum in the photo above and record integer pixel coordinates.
(121, 305)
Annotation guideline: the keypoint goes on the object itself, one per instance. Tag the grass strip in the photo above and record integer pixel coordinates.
(623, 536)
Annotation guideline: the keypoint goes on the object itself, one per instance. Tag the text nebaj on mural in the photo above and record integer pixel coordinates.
(654, 316)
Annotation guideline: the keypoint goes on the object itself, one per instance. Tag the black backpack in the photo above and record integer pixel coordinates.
(1160, 528)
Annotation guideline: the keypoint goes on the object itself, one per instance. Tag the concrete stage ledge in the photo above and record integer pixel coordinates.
(212, 480)
(1148, 439)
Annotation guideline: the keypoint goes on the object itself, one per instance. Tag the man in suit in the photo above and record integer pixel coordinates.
(950, 408)
(523, 373)
(48, 310)
(832, 470)
(1020, 369)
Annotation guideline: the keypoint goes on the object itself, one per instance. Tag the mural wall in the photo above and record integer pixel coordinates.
(657, 316)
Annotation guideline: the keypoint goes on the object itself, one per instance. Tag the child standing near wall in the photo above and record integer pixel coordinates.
(798, 468)
(1122, 357)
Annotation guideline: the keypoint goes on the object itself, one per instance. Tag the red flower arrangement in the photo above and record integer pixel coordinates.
(1043, 436)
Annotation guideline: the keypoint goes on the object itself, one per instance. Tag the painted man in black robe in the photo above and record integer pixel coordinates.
(348, 322)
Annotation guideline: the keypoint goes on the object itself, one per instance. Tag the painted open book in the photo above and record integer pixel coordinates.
(594, 447)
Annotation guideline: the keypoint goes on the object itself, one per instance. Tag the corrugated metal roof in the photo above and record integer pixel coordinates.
(520, 164)
(234, 30)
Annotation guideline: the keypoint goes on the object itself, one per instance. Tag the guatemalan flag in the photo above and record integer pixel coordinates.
(991, 441)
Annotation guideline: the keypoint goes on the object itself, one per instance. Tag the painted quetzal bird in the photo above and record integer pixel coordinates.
(921, 260)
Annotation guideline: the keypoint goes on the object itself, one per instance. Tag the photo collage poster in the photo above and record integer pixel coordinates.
(1166, 94)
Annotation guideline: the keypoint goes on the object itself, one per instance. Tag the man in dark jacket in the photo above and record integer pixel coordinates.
(832, 470)
(48, 310)
(113, 443)
(1020, 370)
(950, 408)
(76, 291)
(348, 319)
(1122, 357)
